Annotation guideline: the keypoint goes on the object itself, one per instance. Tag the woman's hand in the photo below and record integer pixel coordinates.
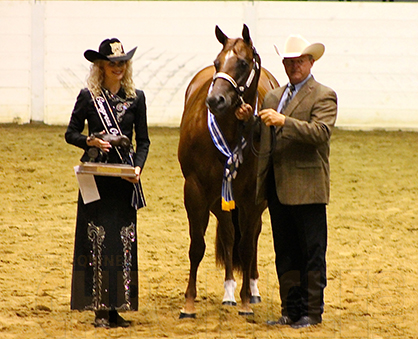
(135, 179)
(104, 146)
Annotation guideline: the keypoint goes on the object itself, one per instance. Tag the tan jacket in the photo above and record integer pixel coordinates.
(301, 155)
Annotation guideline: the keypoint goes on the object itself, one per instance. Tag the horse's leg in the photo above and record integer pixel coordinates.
(225, 237)
(255, 293)
(198, 215)
(250, 225)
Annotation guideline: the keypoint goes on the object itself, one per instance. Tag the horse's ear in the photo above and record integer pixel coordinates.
(246, 34)
(222, 38)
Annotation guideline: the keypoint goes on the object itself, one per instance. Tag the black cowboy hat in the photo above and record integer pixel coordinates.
(110, 50)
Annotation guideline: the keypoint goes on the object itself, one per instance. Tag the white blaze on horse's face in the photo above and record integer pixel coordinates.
(231, 65)
(229, 55)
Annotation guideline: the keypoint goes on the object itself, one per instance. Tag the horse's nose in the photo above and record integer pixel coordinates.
(216, 103)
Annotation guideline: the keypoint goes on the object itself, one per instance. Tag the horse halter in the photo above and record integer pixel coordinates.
(240, 89)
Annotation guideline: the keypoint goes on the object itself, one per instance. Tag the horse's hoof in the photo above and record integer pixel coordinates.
(229, 303)
(187, 315)
(255, 299)
(245, 313)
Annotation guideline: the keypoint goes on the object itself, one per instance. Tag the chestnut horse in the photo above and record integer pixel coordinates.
(236, 77)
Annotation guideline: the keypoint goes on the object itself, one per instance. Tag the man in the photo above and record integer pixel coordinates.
(295, 179)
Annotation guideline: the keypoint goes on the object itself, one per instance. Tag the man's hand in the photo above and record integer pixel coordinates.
(244, 112)
(271, 117)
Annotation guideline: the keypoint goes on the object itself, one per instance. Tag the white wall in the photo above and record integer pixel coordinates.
(370, 57)
(15, 61)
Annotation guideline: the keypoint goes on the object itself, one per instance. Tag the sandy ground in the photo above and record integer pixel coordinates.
(372, 254)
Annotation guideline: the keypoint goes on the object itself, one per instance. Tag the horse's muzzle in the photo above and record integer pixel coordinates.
(217, 103)
(220, 104)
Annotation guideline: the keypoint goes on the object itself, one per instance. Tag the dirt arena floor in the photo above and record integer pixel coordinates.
(372, 256)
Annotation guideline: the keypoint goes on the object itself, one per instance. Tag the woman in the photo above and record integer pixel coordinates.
(105, 269)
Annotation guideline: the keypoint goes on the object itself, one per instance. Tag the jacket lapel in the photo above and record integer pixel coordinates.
(300, 96)
(275, 99)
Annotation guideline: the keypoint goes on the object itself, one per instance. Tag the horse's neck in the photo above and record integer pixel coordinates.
(230, 125)
(232, 128)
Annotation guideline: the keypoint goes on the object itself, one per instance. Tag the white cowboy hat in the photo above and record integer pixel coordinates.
(296, 46)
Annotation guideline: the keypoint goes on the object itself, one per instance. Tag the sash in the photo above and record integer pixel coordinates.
(105, 112)
(234, 159)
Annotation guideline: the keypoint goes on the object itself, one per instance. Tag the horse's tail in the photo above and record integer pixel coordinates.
(220, 248)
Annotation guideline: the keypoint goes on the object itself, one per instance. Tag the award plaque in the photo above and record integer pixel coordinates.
(108, 170)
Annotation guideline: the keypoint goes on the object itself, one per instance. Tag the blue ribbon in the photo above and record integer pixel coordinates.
(234, 159)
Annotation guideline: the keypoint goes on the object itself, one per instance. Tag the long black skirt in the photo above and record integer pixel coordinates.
(105, 267)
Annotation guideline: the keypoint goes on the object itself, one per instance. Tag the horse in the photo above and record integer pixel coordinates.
(235, 77)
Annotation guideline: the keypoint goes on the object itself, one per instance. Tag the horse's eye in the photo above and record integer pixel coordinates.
(216, 63)
(243, 64)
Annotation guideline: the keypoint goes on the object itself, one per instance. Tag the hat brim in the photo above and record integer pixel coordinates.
(92, 56)
(316, 50)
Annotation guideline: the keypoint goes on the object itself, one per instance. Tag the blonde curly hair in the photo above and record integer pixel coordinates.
(96, 77)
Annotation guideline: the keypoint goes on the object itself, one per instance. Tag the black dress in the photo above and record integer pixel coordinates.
(105, 267)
